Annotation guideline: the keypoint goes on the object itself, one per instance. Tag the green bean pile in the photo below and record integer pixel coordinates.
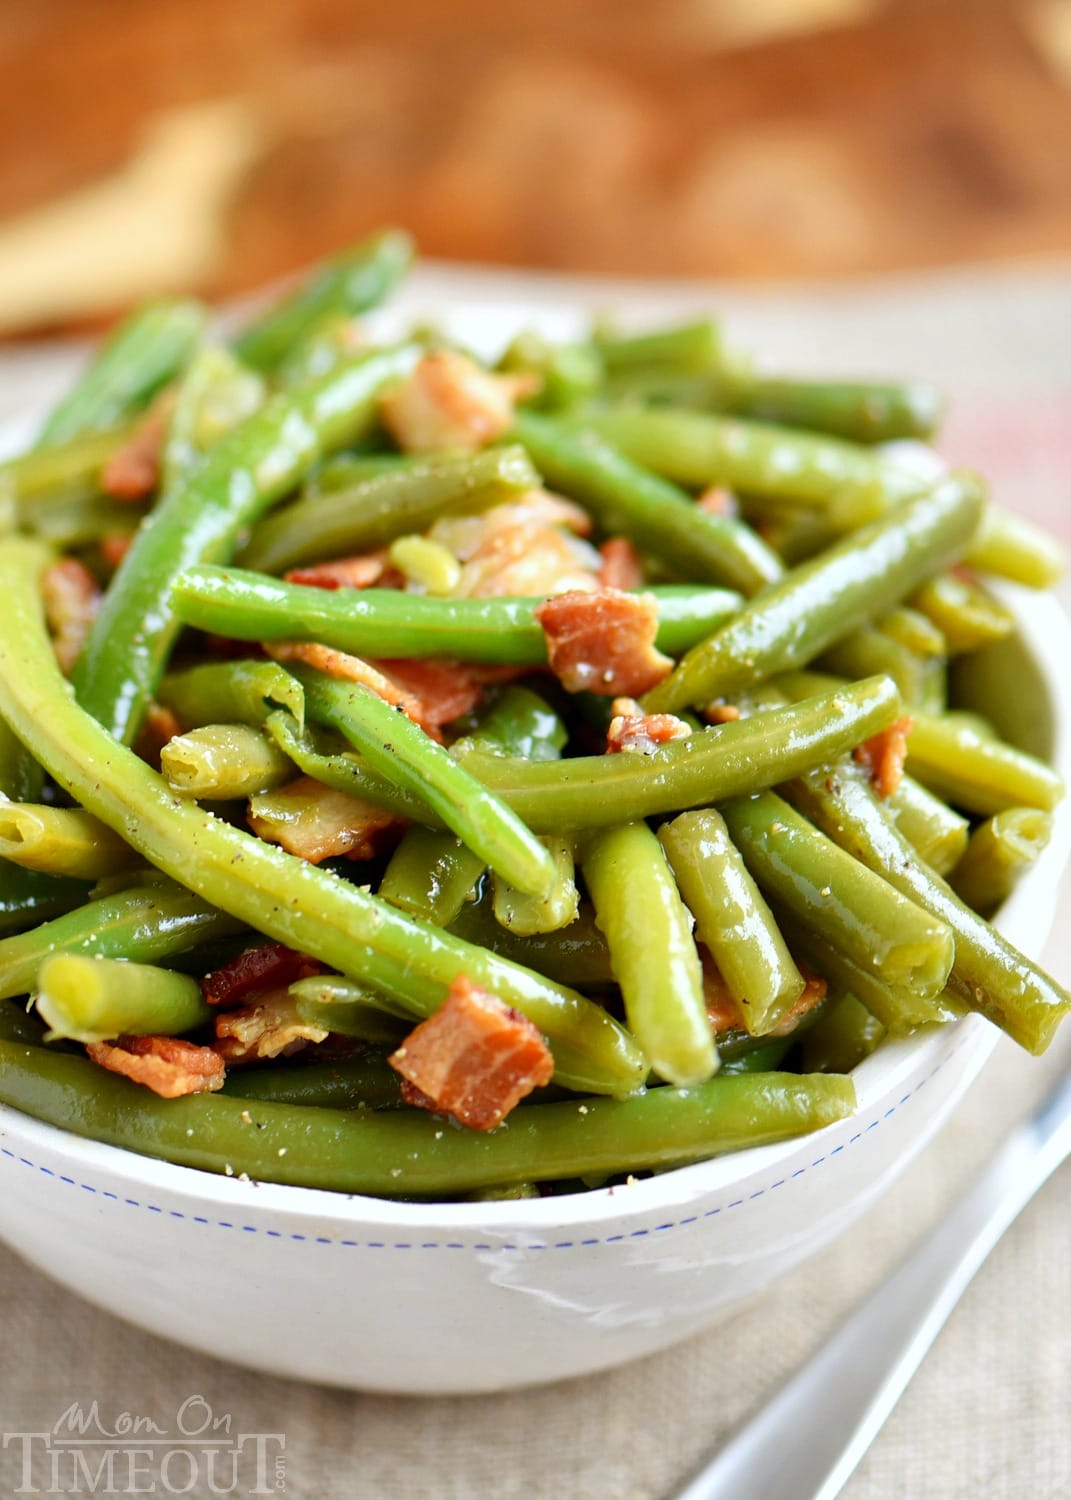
(234, 744)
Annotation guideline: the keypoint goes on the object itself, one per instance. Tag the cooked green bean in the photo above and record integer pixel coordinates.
(351, 1083)
(575, 955)
(864, 411)
(696, 449)
(398, 748)
(26, 897)
(350, 283)
(988, 973)
(216, 393)
(21, 778)
(75, 521)
(845, 902)
(841, 1037)
(870, 650)
(976, 771)
(388, 623)
(823, 601)
(526, 914)
(95, 999)
(930, 826)
(693, 347)
(349, 1009)
(649, 934)
(568, 373)
(1010, 546)
(242, 692)
(519, 723)
(967, 615)
(70, 469)
(732, 918)
(144, 923)
(147, 350)
(412, 1152)
(223, 762)
(200, 520)
(379, 507)
(273, 892)
(61, 841)
(999, 854)
(430, 875)
(659, 518)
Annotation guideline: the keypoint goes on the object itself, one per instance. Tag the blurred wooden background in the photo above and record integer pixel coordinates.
(218, 143)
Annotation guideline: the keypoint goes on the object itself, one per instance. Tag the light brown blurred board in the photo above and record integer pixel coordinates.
(611, 137)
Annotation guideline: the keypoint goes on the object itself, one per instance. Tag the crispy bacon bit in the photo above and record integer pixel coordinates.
(884, 755)
(133, 471)
(443, 690)
(71, 599)
(359, 572)
(603, 642)
(449, 402)
(269, 1027)
(721, 713)
(165, 1064)
(316, 822)
(717, 502)
(622, 566)
(114, 546)
(270, 966)
(346, 667)
(475, 1058)
(637, 733)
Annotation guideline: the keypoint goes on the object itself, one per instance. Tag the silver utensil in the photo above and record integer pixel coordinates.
(807, 1441)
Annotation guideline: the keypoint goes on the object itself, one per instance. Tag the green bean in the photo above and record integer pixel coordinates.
(273, 892)
(60, 841)
(256, 464)
(999, 854)
(18, 1025)
(930, 826)
(343, 471)
(914, 631)
(654, 957)
(855, 910)
(841, 1037)
(568, 373)
(731, 918)
(388, 623)
(241, 692)
(988, 973)
(27, 898)
(824, 600)
(697, 450)
(431, 875)
(659, 518)
(143, 923)
(1010, 546)
(75, 521)
(576, 954)
(380, 507)
(326, 757)
(410, 1151)
(526, 914)
(142, 354)
(95, 999)
(520, 723)
(504, 1192)
(223, 762)
(216, 393)
(693, 347)
(869, 651)
(864, 411)
(352, 1083)
(73, 468)
(21, 778)
(350, 283)
(398, 748)
(975, 771)
(348, 1009)
(967, 615)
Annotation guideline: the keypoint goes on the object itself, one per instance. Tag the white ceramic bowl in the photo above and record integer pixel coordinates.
(479, 1297)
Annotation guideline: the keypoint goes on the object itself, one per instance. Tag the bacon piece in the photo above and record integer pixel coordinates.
(269, 966)
(166, 1064)
(884, 755)
(71, 598)
(359, 572)
(114, 546)
(133, 471)
(347, 668)
(603, 642)
(449, 402)
(717, 502)
(316, 822)
(443, 690)
(622, 566)
(721, 713)
(159, 728)
(269, 1027)
(637, 733)
(475, 1058)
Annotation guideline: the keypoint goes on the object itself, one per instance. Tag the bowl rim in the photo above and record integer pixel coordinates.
(1046, 632)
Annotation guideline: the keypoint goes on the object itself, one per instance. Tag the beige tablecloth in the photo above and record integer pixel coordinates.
(989, 1415)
